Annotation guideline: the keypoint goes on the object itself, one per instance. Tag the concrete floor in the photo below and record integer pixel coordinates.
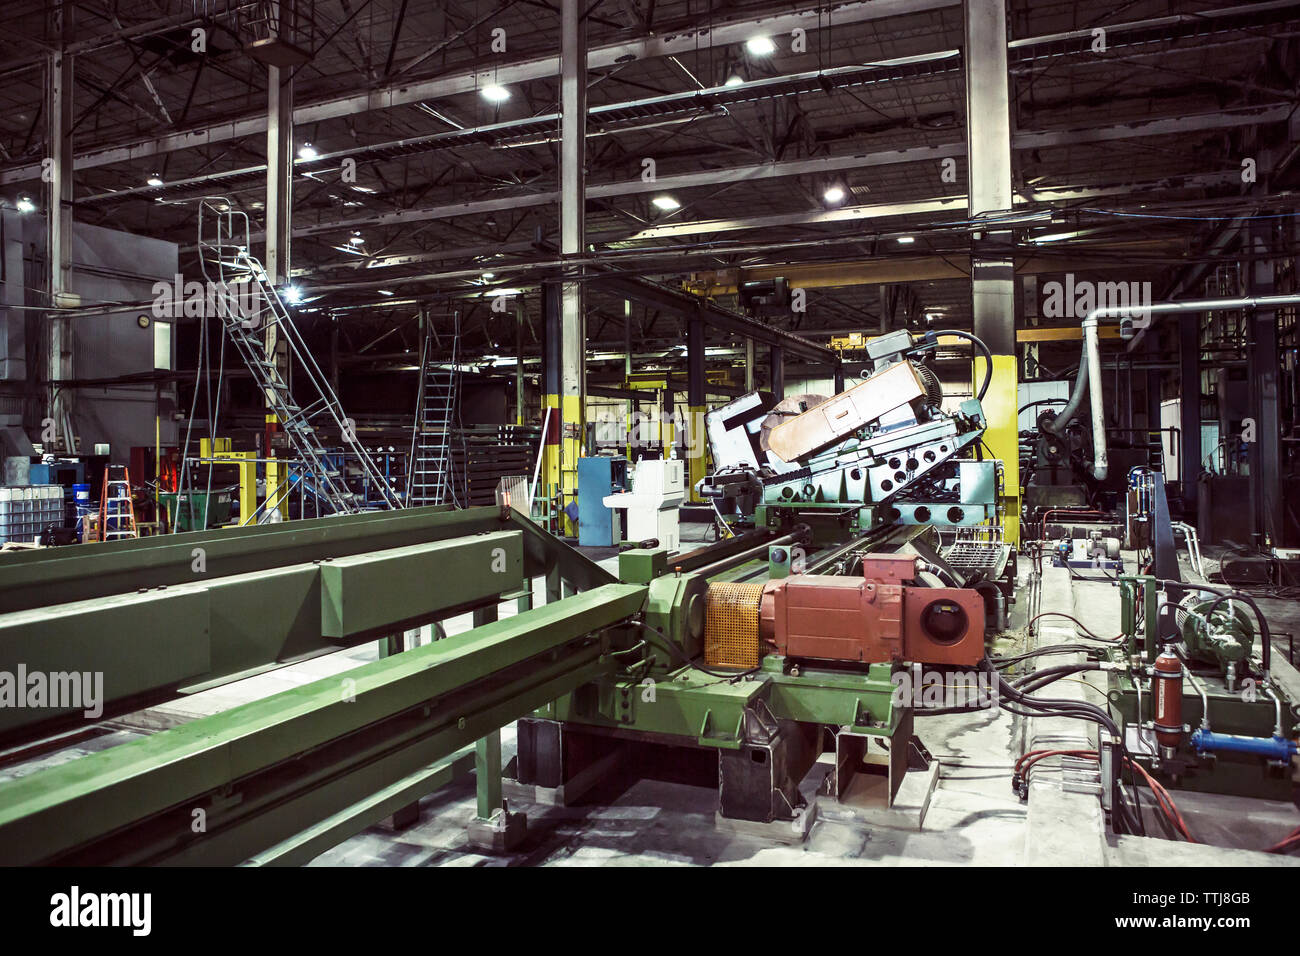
(973, 815)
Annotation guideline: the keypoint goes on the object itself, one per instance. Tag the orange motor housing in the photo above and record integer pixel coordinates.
(873, 619)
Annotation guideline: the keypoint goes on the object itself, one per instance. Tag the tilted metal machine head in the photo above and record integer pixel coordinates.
(883, 451)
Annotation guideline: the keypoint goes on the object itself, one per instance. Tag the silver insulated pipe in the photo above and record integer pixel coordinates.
(1090, 365)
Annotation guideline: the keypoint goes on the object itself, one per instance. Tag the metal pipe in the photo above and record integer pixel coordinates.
(799, 535)
(1277, 710)
(721, 550)
(1092, 355)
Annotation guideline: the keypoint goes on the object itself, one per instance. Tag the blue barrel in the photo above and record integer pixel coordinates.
(81, 498)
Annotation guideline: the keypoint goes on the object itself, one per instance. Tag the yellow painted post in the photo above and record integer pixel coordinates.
(1003, 436)
(571, 432)
(247, 483)
(667, 431)
(697, 450)
(277, 474)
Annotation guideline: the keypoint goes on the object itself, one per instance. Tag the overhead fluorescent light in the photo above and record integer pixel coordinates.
(833, 194)
(666, 203)
(905, 240)
(760, 46)
(494, 93)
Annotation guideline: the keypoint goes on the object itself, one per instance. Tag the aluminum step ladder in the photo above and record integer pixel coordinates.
(250, 308)
(431, 464)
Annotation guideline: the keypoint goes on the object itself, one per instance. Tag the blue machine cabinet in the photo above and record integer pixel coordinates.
(597, 477)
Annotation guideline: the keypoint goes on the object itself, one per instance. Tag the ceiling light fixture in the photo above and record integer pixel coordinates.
(666, 203)
(494, 93)
(760, 46)
(308, 152)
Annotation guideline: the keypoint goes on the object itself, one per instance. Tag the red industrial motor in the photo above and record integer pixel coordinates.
(877, 618)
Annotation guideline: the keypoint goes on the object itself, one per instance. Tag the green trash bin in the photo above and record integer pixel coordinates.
(198, 509)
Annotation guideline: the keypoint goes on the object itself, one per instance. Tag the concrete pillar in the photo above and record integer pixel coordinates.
(749, 365)
(988, 125)
(777, 359)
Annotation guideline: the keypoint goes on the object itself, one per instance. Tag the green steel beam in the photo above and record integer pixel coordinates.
(202, 632)
(224, 788)
(32, 579)
(333, 830)
(363, 593)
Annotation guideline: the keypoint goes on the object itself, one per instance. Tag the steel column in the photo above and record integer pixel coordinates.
(988, 121)
(1189, 408)
(777, 360)
(60, 118)
(1262, 378)
(487, 751)
(552, 338)
(279, 164)
(573, 149)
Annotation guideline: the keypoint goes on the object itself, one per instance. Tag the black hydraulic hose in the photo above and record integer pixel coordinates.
(1041, 678)
(1076, 707)
(1042, 401)
(1000, 662)
(983, 349)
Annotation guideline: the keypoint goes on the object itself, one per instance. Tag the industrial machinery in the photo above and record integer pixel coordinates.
(757, 652)
(1096, 550)
(1199, 709)
(657, 488)
(598, 477)
(880, 453)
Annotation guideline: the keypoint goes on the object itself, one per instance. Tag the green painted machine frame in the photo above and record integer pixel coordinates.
(279, 780)
(1244, 711)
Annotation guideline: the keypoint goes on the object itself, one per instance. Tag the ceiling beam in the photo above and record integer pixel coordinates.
(810, 18)
(1246, 116)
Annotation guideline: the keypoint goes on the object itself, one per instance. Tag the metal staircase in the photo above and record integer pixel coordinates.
(430, 469)
(250, 308)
